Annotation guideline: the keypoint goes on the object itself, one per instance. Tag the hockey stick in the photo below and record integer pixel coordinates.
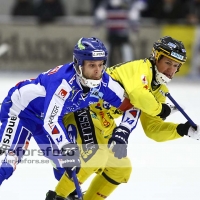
(76, 183)
(180, 109)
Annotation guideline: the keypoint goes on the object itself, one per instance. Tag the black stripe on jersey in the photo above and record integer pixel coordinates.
(87, 133)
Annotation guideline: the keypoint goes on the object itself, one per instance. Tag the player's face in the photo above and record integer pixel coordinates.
(167, 66)
(93, 69)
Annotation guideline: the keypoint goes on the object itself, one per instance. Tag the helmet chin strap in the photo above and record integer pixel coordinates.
(161, 78)
(87, 82)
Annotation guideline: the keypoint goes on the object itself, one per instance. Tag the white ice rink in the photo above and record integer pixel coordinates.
(161, 171)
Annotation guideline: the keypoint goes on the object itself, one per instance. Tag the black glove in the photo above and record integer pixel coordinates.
(118, 142)
(165, 112)
(71, 158)
(187, 129)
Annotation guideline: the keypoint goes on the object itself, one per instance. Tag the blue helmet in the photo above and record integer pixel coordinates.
(89, 49)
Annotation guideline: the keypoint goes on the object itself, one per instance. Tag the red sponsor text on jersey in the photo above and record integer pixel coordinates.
(101, 195)
(53, 71)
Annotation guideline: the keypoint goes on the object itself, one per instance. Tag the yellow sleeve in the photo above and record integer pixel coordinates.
(158, 130)
(136, 77)
(154, 127)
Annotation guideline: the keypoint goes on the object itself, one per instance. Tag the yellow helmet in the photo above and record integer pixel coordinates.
(171, 48)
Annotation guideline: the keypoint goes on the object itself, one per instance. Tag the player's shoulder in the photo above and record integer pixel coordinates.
(105, 78)
(140, 64)
(67, 71)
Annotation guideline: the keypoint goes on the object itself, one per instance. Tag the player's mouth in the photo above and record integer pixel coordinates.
(168, 75)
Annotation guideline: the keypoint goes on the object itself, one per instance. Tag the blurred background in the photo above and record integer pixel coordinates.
(37, 35)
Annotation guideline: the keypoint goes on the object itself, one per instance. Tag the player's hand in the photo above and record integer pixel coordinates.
(71, 158)
(119, 141)
(188, 130)
(173, 109)
(165, 112)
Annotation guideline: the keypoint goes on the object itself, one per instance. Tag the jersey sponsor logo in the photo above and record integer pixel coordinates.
(8, 133)
(101, 195)
(62, 93)
(55, 130)
(96, 94)
(106, 123)
(71, 109)
(87, 133)
(98, 53)
(52, 115)
(144, 79)
(53, 71)
(91, 102)
(145, 82)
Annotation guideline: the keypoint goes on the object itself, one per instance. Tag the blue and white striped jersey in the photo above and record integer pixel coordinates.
(52, 94)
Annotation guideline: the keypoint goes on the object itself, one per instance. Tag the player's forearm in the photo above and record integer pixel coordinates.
(158, 130)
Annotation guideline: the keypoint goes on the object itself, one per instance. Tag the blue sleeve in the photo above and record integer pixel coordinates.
(57, 93)
(112, 90)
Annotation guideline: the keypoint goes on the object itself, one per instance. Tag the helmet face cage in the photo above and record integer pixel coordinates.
(170, 48)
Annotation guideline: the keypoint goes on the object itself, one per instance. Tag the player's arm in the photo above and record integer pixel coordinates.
(53, 124)
(157, 129)
(136, 79)
(56, 96)
(161, 131)
(113, 93)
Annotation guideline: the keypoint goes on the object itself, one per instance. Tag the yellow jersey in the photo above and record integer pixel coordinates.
(136, 78)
